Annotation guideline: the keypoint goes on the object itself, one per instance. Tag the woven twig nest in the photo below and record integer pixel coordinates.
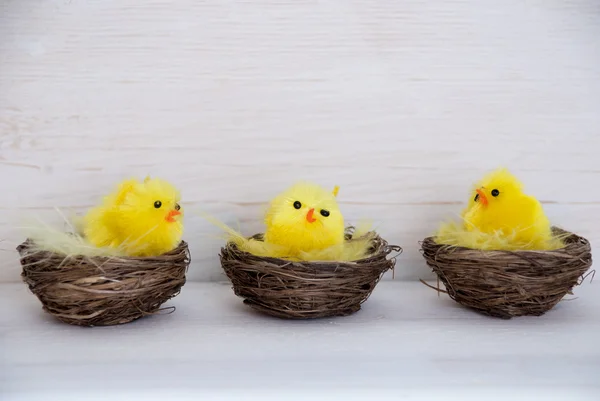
(103, 291)
(306, 290)
(506, 284)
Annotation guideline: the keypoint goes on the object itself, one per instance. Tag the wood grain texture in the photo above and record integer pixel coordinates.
(405, 344)
(403, 104)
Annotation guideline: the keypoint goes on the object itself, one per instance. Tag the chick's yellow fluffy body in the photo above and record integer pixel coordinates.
(304, 218)
(139, 219)
(304, 223)
(508, 210)
(500, 216)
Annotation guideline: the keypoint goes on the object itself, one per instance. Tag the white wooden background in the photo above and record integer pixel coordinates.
(402, 103)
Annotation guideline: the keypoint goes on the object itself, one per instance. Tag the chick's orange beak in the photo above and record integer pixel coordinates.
(482, 197)
(309, 216)
(171, 216)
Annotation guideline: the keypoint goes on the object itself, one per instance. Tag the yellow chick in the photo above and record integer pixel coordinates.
(304, 223)
(499, 206)
(303, 218)
(139, 219)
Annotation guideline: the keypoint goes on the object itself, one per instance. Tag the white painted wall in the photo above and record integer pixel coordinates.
(402, 103)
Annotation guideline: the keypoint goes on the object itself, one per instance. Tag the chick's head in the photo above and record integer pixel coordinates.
(150, 210)
(497, 192)
(305, 216)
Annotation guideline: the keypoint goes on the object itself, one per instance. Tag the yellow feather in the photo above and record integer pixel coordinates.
(336, 190)
(51, 239)
(250, 245)
(455, 234)
(363, 227)
(350, 250)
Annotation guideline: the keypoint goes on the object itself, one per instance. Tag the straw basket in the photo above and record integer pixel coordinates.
(102, 291)
(306, 290)
(506, 284)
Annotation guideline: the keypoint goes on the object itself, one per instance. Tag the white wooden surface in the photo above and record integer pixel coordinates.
(405, 344)
(402, 103)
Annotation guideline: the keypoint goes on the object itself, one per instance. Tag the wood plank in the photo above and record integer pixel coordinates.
(403, 104)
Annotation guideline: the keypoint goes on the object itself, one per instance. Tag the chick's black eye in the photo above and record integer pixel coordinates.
(157, 204)
(324, 212)
(177, 207)
(495, 192)
(476, 198)
(297, 205)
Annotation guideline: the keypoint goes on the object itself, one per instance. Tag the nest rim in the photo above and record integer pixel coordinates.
(506, 284)
(291, 289)
(103, 290)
